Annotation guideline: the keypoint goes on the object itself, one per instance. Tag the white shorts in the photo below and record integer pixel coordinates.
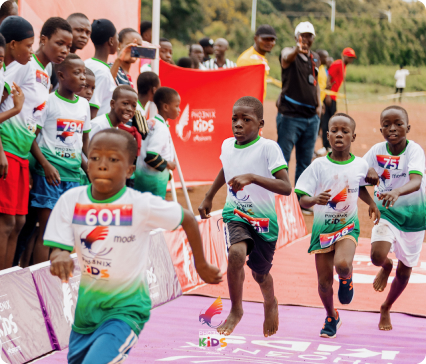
(406, 246)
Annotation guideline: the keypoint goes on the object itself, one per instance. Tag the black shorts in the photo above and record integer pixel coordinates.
(259, 251)
(399, 89)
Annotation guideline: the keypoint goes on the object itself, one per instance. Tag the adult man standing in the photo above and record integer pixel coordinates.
(196, 53)
(299, 108)
(81, 31)
(207, 44)
(264, 40)
(220, 47)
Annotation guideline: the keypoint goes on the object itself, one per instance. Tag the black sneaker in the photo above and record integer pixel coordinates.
(330, 326)
(346, 290)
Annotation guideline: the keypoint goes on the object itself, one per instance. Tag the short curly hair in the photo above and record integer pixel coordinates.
(51, 25)
(252, 102)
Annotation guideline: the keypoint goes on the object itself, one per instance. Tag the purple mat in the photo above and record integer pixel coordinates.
(172, 335)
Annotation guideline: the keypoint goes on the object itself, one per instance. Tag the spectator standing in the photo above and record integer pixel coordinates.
(322, 81)
(146, 34)
(400, 76)
(196, 53)
(220, 61)
(264, 40)
(299, 108)
(81, 31)
(207, 44)
(165, 53)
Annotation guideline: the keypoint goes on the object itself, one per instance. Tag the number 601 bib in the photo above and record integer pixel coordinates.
(327, 240)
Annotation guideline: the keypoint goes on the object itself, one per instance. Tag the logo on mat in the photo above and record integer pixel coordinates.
(340, 197)
(202, 121)
(214, 309)
(97, 234)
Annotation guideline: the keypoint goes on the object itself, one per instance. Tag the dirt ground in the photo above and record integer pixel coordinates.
(368, 134)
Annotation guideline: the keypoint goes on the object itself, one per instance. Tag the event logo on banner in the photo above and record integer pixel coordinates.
(207, 98)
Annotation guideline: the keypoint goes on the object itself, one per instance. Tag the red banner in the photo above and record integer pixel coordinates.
(207, 98)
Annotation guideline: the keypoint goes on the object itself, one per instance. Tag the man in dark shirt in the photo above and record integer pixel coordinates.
(299, 107)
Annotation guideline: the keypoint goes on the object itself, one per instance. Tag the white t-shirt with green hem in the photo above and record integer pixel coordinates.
(111, 238)
(99, 123)
(61, 137)
(341, 212)
(254, 205)
(105, 85)
(408, 212)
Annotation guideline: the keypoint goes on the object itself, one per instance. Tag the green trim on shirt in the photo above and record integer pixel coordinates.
(87, 131)
(416, 172)
(95, 106)
(181, 220)
(108, 200)
(140, 104)
(351, 159)
(7, 87)
(39, 63)
(67, 100)
(246, 145)
(279, 169)
(98, 60)
(300, 192)
(109, 121)
(54, 244)
(387, 148)
(39, 127)
(160, 118)
(4, 66)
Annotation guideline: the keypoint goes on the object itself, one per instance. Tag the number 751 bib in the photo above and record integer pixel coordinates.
(327, 240)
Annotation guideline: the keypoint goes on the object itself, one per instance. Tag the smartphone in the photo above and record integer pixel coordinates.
(142, 52)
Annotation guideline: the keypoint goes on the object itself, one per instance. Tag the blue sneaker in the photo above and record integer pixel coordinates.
(346, 290)
(330, 326)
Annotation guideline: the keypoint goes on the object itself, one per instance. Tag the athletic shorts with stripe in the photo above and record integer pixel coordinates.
(259, 251)
(109, 343)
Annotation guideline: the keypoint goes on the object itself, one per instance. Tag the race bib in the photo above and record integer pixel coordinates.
(327, 240)
(103, 214)
(389, 161)
(261, 225)
(65, 132)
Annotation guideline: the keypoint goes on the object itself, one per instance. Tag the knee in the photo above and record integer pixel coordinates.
(236, 257)
(19, 223)
(325, 283)
(7, 224)
(378, 258)
(343, 268)
(259, 278)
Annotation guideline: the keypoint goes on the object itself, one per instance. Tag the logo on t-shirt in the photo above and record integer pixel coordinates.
(385, 176)
(260, 224)
(340, 197)
(388, 161)
(42, 78)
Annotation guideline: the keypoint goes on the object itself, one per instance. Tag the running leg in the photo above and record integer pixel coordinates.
(379, 257)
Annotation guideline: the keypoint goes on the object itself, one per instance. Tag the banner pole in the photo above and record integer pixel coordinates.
(173, 187)
(182, 181)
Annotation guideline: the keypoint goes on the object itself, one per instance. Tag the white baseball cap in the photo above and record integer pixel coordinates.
(304, 27)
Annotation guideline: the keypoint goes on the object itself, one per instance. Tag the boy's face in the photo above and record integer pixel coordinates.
(125, 105)
(58, 46)
(22, 51)
(166, 52)
(108, 163)
(88, 89)
(394, 126)
(245, 124)
(73, 76)
(341, 133)
(81, 31)
(173, 109)
(2, 52)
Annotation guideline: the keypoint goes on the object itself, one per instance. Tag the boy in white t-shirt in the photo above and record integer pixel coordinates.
(89, 89)
(64, 134)
(254, 170)
(400, 76)
(148, 83)
(105, 39)
(113, 301)
(157, 154)
(397, 170)
(331, 185)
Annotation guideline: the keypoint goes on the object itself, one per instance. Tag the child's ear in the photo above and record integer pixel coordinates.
(43, 40)
(353, 137)
(60, 75)
(261, 124)
(130, 171)
(112, 104)
(408, 128)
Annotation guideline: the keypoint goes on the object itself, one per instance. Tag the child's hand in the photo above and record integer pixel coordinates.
(209, 273)
(18, 97)
(389, 198)
(374, 213)
(171, 165)
(322, 198)
(3, 165)
(372, 177)
(205, 208)
(62, 265)
(239, 182)
(52, 175)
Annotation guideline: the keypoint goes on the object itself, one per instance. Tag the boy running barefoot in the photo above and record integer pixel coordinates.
(331, 185)
(64, 134)
(396, 169)
(113, 302)
(254, 169)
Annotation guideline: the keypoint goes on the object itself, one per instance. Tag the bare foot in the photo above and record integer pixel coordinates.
(385, 320)
(381, 280)
(270, 325)
(231, 322)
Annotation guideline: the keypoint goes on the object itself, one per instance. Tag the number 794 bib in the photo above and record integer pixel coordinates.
(327, 240)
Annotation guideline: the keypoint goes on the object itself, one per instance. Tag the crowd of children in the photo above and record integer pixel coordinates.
(74, 137)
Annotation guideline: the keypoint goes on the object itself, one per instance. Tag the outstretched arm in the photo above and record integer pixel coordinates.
(372, 207)
(206, 206)
(307, 201)
(389, 198)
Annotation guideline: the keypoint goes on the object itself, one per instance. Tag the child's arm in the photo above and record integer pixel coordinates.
(206, 205)
(3, 162)
(389, 198)
(50, 172)
(372, 177)
(372, 207)
(62, 265)
(307, 201)
(86, 141)
(18, 102)
(280, 184)
(171, 165)
(208, 273)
